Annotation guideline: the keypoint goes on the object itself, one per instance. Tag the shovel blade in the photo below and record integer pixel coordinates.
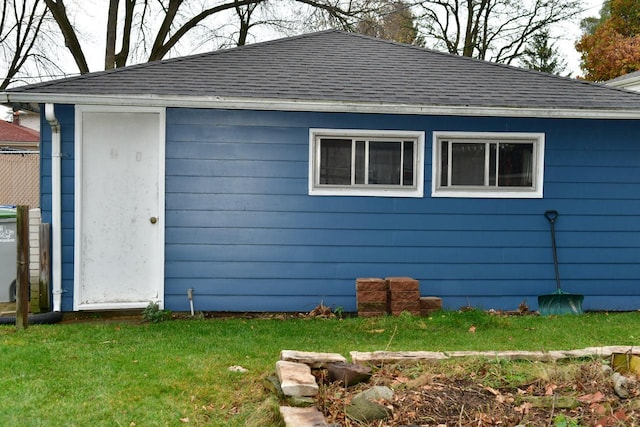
(560, 303)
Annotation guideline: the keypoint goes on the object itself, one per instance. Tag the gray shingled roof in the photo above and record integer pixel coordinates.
(336, 66)
(628, 76)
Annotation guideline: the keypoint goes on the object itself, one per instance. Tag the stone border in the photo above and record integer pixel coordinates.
(380, 357)
(312, 417)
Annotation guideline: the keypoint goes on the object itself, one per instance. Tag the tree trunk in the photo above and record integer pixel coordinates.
(123, 55)
(59, 13)
(112, 26)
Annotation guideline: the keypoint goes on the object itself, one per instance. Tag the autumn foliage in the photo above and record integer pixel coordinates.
(612, 49)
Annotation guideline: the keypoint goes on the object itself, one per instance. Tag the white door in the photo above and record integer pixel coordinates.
(119, 224)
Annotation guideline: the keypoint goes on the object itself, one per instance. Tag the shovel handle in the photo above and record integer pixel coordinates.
(551, 216)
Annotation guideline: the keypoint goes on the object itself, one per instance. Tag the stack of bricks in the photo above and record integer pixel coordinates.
(404, 295)
(371, 297)
(393, 295)
(430, 305)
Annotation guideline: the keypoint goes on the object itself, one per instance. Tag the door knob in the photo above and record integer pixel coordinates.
(153, 220)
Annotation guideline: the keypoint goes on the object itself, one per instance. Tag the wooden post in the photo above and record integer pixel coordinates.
(22, 279)
(45, 268)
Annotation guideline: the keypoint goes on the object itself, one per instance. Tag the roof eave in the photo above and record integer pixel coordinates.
(624, 83)
(237, 103)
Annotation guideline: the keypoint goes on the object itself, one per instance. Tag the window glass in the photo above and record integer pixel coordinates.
(444, 163)
(515, 165)
(335, 161)
(377, 163)
(467, 164)
(407, 170)
(360, 161)
(488, 164)
(492, 164)
(385, 162)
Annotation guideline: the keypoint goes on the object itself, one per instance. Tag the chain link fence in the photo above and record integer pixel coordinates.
(20, 178)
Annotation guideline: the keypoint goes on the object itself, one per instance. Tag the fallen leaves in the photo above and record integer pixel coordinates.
(598, 396)
(550, 389)
(443, 398)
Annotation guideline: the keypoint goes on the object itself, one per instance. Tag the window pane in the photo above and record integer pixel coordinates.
(335, 161)
(384, 162)
(360, 162)
(492, 164)
(515, 167)
(467, 163)
(407, 170)
(444, 164)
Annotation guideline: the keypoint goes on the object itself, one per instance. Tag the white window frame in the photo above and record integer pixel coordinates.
(316, 189)
(534, 192)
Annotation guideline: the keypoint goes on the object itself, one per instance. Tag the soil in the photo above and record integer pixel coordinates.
(444, 400)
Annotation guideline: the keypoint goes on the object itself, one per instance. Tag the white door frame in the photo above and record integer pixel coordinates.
(78, 187)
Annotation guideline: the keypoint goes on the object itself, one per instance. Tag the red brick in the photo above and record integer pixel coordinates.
(403, 284)
(430, 304)
(371, 284)
(405, 305)
(410, 296)
(372, 296)
(372, 306)
(371, 313)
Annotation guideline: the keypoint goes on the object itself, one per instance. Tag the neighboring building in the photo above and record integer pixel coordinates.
(629, 81)
(19, 165)
(269, 177)
(28, 119)
(18, 137)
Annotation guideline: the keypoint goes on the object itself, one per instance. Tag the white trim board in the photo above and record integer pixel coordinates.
(487, 192)
(268, 104)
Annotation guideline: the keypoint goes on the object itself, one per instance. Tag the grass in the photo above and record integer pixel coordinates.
(123, 373)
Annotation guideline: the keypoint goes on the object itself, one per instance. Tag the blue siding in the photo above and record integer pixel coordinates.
(243, 233)
(66, 117)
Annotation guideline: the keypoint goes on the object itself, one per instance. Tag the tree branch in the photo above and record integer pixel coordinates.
(59, 13)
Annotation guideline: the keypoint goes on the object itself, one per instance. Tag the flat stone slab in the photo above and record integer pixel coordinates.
(314, 360)
(296, 379)
(302, 417)
(348, 373)
(379, 357)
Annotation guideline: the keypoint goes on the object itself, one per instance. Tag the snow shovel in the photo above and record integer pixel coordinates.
(558, 302)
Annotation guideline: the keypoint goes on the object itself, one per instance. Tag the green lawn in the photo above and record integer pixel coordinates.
(127, 373)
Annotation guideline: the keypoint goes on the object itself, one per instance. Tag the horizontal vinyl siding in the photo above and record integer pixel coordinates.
(65, 115)
(243, 233)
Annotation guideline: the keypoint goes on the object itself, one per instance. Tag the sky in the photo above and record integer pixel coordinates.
(94, 21)
(568, 34)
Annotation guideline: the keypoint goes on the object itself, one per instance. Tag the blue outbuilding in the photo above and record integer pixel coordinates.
(269, 177)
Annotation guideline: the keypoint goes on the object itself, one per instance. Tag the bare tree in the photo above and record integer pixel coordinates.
(20, 26)
(494, 30)
(150, 30)
(59, 12)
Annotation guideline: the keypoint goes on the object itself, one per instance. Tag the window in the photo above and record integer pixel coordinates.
(488, 165)
(366, 163)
